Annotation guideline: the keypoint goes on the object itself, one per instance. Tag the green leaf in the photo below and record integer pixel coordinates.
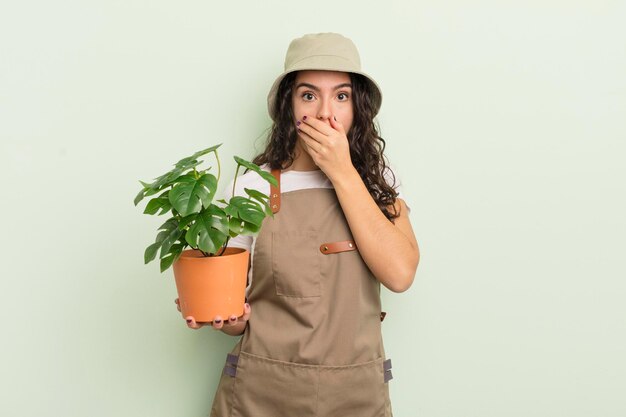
(209, 231)
(164, 180)
(241, 227)
(168, 225)
(186, 160)
(205, 151)
(187, 163)
(189, 195)
(247, 210)
(170, 241)
(161, 202)
(171, 228)
(192, 161)
(268, 177)
(170, 177)
(264, 174)
(186, 220)
(250, 165)
(139, 196)
(150, 252)
(261, 198)
(231, 210)
(167, 178)
(145, 193)
(257, 195)
(171, 257)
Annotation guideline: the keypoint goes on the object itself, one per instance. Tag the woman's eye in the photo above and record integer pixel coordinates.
(344, 95)
(307, 96)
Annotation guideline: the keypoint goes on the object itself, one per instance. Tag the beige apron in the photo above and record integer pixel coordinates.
(313, 344)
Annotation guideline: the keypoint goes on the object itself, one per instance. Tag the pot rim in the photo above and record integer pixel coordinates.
(230, 251)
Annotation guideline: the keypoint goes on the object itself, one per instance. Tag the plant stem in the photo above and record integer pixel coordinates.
(224, 247)
(227, 216)
(235, 180)
(219, 168)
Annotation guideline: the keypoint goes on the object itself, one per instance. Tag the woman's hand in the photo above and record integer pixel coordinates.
(327, 145)
(218, 323)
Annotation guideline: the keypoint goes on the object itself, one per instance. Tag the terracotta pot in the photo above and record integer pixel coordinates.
(211, 286)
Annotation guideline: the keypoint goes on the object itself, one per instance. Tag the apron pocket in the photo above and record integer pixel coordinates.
(271, 388)
(296, 263)
(353, 391)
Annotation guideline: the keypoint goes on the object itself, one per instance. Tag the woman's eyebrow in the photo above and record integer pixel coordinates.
(315, 88)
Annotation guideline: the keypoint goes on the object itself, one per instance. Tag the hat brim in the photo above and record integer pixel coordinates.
(323, 63)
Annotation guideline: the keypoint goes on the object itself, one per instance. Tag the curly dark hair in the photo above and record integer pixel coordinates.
(366, 144)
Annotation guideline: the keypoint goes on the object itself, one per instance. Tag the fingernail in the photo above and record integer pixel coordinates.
(298, 124)
(304, 118)
(218, 321)
(247, 305)
(233, 318)
(188, 321)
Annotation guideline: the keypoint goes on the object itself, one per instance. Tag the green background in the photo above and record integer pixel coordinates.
(505, 121)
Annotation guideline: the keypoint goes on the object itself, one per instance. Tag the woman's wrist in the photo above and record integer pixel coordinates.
(234, 329)
(346, 179)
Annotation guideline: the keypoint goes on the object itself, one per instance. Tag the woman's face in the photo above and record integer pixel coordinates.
(323, 94)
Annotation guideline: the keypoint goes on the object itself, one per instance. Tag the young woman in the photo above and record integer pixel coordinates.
(312, 342)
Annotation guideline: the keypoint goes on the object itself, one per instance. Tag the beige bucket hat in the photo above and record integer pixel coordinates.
(323, 51)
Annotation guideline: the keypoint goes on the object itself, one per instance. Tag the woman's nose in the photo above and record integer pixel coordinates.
(324, 111)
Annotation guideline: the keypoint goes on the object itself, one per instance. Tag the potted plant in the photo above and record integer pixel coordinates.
(210, 278)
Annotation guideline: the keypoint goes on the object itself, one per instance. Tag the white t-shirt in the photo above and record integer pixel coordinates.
(289, 181)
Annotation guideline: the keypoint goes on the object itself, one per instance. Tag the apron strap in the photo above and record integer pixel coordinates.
(275, 192)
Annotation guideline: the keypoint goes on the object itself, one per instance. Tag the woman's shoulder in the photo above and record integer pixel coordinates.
(392, 178)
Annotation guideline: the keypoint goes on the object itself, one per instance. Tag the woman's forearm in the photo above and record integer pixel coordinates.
(386, 250)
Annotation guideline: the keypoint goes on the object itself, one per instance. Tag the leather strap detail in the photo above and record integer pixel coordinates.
(388, 376)
(387, 370)
(336, 247)
(275, 192)
(382, 315)
(230, 368)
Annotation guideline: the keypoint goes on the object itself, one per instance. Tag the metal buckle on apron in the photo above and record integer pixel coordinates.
(230, 368)
(387, 370)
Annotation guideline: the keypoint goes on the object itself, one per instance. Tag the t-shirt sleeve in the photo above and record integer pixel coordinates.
(239, 241)
(394, 181)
